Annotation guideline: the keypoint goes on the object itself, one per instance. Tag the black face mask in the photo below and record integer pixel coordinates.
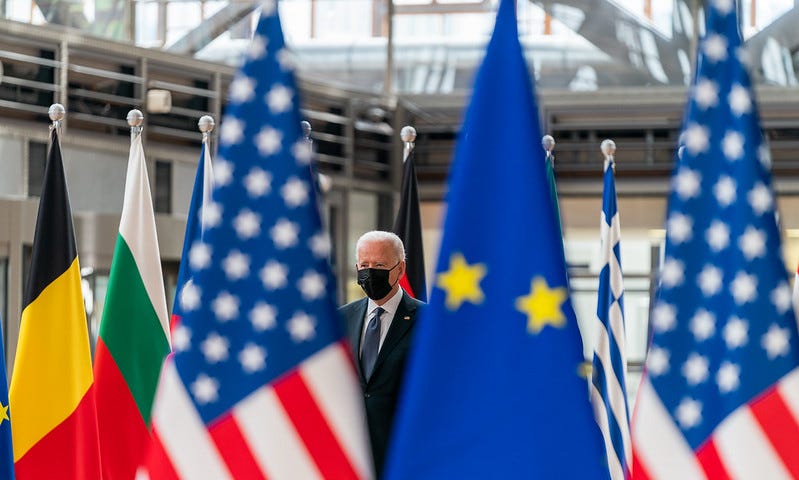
(374, 281)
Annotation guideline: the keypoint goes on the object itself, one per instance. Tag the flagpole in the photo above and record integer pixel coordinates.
(305, 125)
(608, 148)
(135, 120)
(324, 182)
(206, 126)
(56, 113)
(548, 142)
(408, 135)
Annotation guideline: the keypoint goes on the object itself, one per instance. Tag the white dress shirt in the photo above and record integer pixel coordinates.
(386, 318)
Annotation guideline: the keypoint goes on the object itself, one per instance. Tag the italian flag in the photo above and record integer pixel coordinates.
(134, 338)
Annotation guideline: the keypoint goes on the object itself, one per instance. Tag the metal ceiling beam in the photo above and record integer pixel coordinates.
(65, 13)
(783, 36)
(209, 29)
(626, 39)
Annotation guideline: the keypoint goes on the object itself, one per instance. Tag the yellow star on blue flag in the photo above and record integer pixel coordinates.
(543, 305)
(491, 389)
(461, 282)
(6, 449)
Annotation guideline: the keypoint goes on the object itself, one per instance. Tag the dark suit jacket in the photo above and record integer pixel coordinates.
(381, 392)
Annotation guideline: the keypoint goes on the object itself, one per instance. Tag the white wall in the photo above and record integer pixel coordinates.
(96, 179)
(11, 163)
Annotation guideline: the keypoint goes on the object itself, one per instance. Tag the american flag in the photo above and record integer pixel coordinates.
(261, 384)
(796, 292)
(195, 223)
(720, 397)
(608, 391)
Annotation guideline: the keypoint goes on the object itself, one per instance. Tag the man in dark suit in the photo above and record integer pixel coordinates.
(379, 329)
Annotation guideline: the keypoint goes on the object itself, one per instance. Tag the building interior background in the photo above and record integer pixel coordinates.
(603, 69)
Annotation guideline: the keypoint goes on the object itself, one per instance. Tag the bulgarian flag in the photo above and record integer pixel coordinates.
(134, 337)
(52, 396)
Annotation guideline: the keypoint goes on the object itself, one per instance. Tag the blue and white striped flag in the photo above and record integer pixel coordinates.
(608, 392)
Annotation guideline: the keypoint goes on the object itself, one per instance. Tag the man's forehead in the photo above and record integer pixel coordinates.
(375, 248)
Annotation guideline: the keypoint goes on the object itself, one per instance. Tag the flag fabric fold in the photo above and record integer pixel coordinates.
(200, 200)
(52, 386)
(6, 447)
(408, 226)
(261, 384)
(493, 388)
(609, 390)
(719, 396)
(134, 330)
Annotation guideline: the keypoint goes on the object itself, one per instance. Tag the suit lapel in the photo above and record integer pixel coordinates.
(400, 326)
(356, 327)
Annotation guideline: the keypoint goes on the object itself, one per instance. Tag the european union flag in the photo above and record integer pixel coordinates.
(6, 450)
(492, 387)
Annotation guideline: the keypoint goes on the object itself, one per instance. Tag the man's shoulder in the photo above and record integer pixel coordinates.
(412, 302)
(352, 305)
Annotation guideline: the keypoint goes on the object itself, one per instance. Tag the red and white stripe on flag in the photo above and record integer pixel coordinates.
(755, 441)
(796, 293)
(297, 427)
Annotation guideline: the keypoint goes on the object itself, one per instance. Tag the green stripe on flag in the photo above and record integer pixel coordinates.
(553, 192)
(133, 335)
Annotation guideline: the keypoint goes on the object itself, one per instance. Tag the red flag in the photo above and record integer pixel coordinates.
(408, 226)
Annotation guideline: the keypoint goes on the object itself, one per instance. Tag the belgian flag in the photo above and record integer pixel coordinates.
(51, 397)
(408, 226)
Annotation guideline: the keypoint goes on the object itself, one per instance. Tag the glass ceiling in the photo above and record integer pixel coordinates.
(436, 44)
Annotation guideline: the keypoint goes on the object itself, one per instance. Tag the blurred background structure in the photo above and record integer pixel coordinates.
(604, 69)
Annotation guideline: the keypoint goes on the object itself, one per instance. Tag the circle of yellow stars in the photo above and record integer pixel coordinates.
(461, 283)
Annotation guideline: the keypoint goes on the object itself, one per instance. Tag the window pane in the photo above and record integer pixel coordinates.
(335, 19)
(163, 187)
(37, 157)
(147, 21)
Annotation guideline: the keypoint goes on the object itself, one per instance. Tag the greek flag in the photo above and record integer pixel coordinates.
(608, 392)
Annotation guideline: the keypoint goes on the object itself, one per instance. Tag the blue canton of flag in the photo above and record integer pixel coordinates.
(6, 449)
(261, 384)
(609, 392)
(493, 389)
(721, 393)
